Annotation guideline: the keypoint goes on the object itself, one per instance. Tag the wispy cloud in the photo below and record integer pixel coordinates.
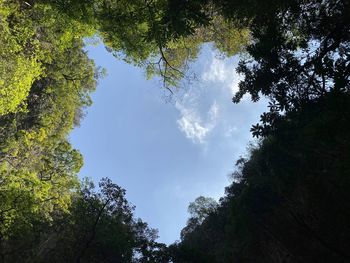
(199, 109)
(193, 125)
(230, 131)
(217, 71)
(222, 71)
(206, 112)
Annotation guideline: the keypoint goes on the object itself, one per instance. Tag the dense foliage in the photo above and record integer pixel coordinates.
(289, 201)
(38, 166)
(46, 214)
(300, 52)
(99, 227)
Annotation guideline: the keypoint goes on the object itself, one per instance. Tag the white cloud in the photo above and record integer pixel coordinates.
(206, 112)
(199, 109)
(193, 125)
(223, 71)
(217, 71)
(230, 131)
(213, 111)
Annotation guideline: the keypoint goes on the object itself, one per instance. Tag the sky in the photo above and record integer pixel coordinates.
(165, 151)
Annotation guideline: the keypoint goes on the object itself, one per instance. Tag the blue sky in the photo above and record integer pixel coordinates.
(165, 153)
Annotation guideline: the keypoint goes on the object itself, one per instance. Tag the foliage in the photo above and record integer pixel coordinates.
(174, 62)
(200, 209)
(290, 199)
(159, 35)
(18, 61)
(38, 165)
(299, 52)
(99, 227)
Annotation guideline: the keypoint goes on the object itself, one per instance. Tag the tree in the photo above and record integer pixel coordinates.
(99, 227)
(289, 202)
(149, 35)
(299, 52)
(202, 207)
(199, 210)
(19, 67)
(174, 62)
(38, 167)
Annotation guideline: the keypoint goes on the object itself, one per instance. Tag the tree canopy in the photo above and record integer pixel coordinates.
(289, 201)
